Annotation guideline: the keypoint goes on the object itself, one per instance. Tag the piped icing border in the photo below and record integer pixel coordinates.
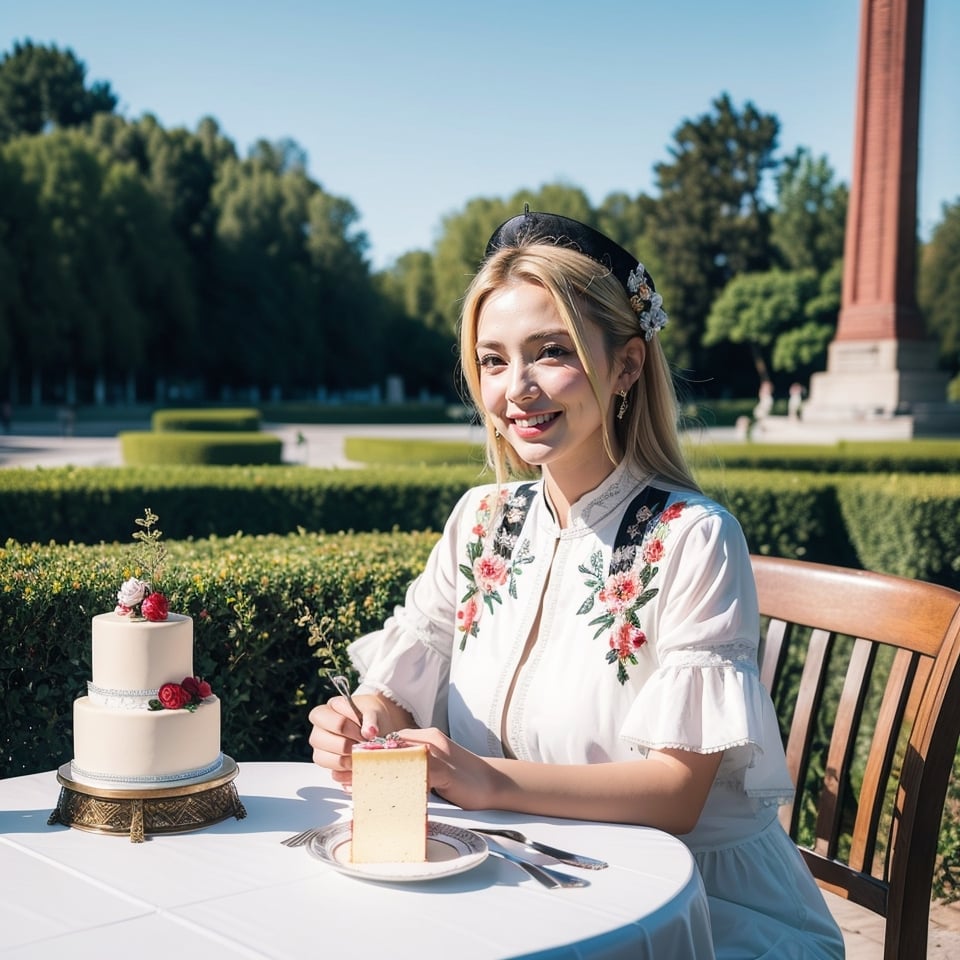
(120, 699)
(114, 780)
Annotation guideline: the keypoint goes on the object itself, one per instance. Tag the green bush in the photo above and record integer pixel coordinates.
(374, 450)
(93, 504)
(784, 514)
(141, 448)
(210, 419)
(270, 615)
(907, 456)
(904, 525)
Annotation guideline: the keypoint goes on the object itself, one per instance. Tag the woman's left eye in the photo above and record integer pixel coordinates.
(553, 351)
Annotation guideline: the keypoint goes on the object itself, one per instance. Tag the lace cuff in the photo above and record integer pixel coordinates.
(708, 703)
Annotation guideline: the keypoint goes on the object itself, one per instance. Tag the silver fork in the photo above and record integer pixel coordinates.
(549, 878)
(301, 839)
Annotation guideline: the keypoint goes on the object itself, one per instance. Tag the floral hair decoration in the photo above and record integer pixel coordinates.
(532, 227)
(646, 302)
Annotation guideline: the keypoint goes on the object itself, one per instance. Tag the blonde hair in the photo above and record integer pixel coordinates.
(582, 292)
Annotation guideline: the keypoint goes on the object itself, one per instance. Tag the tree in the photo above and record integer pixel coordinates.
(809, 222)
(787, 319)
(939, 288)
(280, 156)
(463, 239)
(420, 344)
(711, 221)
(43, 87)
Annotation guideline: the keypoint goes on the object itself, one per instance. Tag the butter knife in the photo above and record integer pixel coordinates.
(549, 878)
(563, 856)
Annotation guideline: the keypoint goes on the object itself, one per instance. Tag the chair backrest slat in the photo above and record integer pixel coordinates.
(865, 671)
(895, 709)
(846, 725)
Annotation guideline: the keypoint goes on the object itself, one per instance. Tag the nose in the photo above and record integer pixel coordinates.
(522, 381)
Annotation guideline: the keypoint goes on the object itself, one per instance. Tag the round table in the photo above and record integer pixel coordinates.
(233, 890)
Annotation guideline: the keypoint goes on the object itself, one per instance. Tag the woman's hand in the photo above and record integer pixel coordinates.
(336, 730)
(456, 774)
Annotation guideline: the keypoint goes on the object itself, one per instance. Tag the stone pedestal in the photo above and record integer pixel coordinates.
(871, 390)
(875, 378)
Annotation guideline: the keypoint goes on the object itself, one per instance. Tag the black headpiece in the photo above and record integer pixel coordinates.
(531, 227)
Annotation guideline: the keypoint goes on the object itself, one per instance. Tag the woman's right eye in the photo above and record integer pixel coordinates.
(489, 360)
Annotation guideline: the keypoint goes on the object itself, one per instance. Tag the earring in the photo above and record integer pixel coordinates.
(496, 434)
(624, 405)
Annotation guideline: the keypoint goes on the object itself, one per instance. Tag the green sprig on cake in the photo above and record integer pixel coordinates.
(138, 598)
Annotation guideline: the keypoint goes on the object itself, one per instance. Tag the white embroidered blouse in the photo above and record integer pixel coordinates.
(647, 638)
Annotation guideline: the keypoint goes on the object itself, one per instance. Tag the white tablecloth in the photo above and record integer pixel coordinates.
(232, 889)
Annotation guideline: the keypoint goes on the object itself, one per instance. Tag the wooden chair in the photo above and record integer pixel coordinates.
(864, 670)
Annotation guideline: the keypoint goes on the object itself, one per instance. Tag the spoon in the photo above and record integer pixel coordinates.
(343, 688)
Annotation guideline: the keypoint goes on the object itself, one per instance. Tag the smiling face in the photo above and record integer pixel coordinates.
(536, 391)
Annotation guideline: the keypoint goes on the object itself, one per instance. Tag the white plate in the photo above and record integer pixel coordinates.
(450, 850)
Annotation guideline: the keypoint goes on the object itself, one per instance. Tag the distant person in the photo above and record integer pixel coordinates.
(6, 416)
(764, 406)
(583, 643)
(795, 401)
(68, 418)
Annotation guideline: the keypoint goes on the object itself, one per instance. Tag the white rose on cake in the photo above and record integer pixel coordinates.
(131, 595)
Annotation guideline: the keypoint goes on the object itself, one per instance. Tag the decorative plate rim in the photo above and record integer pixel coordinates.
(471, 850)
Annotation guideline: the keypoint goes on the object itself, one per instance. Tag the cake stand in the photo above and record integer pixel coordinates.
(141, 812)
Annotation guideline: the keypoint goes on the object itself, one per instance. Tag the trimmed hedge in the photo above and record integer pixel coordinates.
(208, 419)
(374, 450)
(914, 456)
(143, 448)
(825, 517)
(93, 504)
(908, 456)
(904, 525)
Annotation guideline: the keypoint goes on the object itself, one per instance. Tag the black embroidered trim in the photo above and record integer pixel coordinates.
(636, 518)
(516, 507)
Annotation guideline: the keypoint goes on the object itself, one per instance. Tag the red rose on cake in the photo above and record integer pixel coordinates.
(172, 696)
(137, 599)
(155, 607)
(196, 687)
(181, 696)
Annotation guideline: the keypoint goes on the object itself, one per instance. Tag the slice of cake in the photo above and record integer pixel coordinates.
(389, 802)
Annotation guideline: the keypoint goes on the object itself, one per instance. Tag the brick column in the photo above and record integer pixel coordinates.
(880, 365)
(879, 265)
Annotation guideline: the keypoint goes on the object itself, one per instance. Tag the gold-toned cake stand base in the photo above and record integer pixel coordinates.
(139, 813)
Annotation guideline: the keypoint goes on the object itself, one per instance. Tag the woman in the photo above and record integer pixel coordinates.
(584, 645)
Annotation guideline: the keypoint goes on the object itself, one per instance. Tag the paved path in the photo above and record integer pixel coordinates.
(316, 445)
(41, 445)
(322, 446)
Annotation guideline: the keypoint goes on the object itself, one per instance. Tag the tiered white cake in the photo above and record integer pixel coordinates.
(119, 740)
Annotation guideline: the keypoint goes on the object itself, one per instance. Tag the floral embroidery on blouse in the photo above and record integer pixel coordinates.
(493, 562)
(626, 589)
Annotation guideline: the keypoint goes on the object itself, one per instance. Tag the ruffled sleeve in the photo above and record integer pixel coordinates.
(704, 693)
(408, 660)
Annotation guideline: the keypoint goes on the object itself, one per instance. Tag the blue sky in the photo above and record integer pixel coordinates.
(410, 108)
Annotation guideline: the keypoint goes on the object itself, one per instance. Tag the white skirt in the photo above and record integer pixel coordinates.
(764, 902)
